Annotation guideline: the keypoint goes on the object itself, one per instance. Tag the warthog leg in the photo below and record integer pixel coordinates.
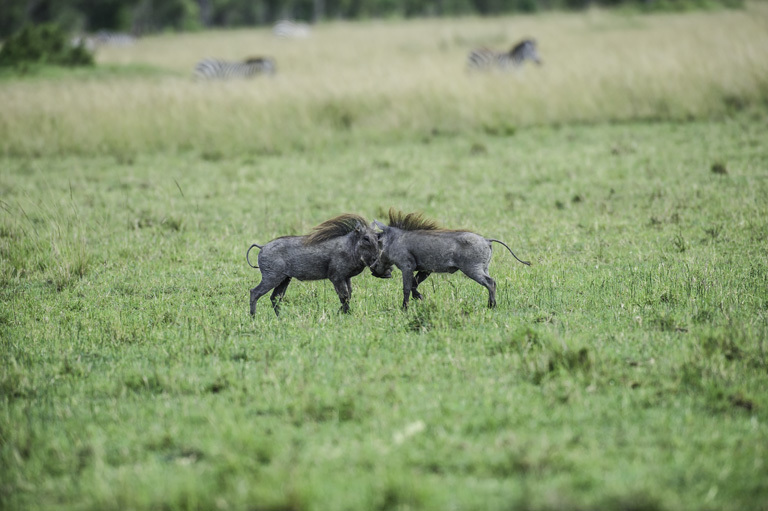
(268, 283)
(409, 285)
(278, 293)
(344, 290)
(421, 276)
(491, 292)
(481, 276)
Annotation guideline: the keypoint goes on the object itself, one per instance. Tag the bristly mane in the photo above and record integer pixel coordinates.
(335, 227)
(412, 221)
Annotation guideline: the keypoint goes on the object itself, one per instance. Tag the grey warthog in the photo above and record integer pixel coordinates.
(338, 249)
(415, 244)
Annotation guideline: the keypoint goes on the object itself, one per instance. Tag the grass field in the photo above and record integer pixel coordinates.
(625, 369)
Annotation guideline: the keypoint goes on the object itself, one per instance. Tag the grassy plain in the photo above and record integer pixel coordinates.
(626, 369)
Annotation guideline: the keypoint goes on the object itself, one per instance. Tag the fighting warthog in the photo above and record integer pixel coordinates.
(338, 249)
(415, 244)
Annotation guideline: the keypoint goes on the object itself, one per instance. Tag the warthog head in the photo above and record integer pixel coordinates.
(389, 238)
(367, 244)
(381, 267)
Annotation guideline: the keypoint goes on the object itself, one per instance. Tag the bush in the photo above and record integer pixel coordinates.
(43, 44)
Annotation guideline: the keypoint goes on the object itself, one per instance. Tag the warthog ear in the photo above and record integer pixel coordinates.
(378, 224)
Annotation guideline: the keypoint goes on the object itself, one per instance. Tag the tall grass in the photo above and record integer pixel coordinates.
(38, 238)
(388, 80)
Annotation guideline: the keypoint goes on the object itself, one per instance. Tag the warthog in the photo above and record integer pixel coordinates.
(338, 249)
(415, 244)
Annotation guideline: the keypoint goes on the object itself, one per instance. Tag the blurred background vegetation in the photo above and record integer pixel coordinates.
(145, 16)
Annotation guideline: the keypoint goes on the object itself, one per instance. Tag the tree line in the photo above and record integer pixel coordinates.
(146, 16)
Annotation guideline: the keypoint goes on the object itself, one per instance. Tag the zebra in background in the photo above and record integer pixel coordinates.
(117, 39)
(484, 59)
(217, 69)
(103, 38)
(291, 29)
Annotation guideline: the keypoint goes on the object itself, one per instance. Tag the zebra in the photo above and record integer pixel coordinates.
(117, 39)
(213, 69)
(485, 59)
(103, 38)
(291, 29)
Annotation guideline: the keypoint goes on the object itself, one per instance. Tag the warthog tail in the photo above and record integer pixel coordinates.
(510, 251)
(249, 251)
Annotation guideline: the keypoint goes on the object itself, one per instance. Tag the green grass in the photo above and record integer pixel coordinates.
(625, 369)
(106, 71)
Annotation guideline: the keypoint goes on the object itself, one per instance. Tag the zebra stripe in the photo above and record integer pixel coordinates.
(485, 59)
(217, 69)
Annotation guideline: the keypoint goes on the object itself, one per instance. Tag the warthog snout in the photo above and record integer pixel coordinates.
(378, 268)
(382, 274)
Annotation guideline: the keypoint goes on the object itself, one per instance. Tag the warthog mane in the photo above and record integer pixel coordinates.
(414, 222)
(335, 227)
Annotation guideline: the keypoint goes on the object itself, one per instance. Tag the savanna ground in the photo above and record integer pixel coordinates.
(625, 369)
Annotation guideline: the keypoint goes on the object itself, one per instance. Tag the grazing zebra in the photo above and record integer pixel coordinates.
(118, 39)
(217, 69)
(103, 38)
(291, 29)
(485, 59)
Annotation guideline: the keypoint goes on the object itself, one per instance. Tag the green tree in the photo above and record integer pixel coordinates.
(42, 44)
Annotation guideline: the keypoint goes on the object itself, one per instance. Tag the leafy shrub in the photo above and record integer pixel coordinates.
(43, 44)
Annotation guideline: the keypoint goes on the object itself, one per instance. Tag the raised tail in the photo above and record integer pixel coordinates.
(510, 251)
(249, 251)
